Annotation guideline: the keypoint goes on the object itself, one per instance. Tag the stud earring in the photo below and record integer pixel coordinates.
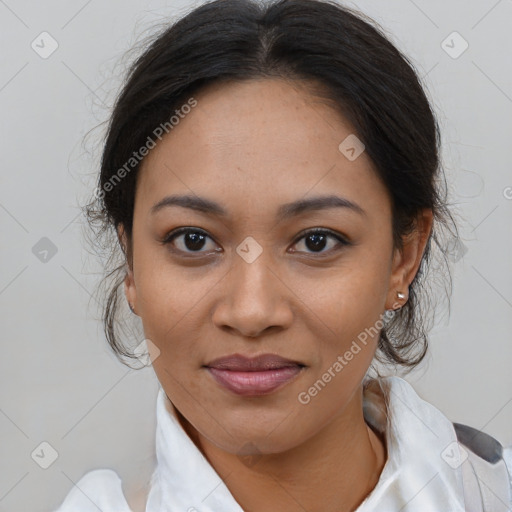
(400, 295)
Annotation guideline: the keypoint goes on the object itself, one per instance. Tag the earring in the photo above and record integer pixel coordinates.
(400, 296)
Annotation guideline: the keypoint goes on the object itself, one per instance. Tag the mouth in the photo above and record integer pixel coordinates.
(253, 376)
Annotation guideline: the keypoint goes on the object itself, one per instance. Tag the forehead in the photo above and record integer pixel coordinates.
(258, 141)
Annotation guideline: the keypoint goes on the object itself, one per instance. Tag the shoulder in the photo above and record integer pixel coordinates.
(99, 489)
(490, 467)
(456, 450)
(507, 457)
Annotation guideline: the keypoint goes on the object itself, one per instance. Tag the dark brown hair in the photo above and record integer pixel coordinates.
(354, 66)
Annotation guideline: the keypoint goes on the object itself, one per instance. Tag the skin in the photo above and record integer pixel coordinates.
(251, 147)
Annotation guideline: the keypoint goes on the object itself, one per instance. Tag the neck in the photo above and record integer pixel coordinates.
(334, 471)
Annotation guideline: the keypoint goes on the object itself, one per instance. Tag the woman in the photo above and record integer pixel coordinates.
(271, 173)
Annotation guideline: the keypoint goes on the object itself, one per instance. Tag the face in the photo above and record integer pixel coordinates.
(255, 279)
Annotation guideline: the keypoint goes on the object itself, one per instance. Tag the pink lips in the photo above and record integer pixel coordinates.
(253, 376)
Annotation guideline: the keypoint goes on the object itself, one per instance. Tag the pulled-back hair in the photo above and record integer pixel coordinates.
(347, 59)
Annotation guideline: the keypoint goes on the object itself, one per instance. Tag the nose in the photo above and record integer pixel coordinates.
(255, 299)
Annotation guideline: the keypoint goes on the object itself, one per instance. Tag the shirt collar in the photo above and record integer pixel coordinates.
(183, 479)
(415, 476)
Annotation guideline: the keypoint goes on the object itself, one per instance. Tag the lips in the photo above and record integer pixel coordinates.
(239, 363)
(255, 376)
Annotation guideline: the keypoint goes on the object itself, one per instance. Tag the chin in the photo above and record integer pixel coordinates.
(247, 435)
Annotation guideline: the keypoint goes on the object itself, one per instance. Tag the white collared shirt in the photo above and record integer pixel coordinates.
(415, 477)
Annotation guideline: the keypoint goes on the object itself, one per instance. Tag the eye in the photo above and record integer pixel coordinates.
(192, 240)
(316, 240)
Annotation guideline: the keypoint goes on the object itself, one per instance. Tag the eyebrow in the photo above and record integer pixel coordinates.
(285, 211)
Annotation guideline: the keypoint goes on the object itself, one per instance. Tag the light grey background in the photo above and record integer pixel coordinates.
(59, 381)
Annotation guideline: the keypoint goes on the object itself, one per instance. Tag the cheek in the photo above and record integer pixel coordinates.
(350, 306)
(366, 281)
(166, 294)
(352, 296)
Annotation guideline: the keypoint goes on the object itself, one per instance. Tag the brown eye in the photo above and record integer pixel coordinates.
(317, 240)
(189, 240)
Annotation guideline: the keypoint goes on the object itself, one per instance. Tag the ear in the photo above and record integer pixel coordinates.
(406, 261)
(129, 282)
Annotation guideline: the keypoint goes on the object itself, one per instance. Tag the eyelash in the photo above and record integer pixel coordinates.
(169, 238)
